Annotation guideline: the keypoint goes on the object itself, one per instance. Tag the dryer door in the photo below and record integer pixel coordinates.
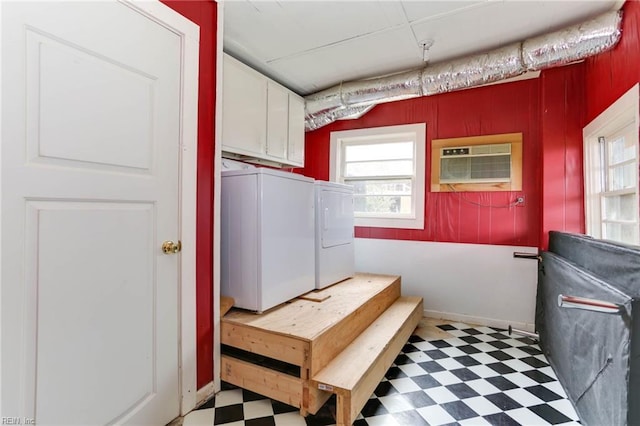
(336, 217)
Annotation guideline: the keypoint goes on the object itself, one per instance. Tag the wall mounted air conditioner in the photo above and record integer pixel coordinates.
(475, 164)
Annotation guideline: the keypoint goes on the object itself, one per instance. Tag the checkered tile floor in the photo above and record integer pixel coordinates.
(479, 376)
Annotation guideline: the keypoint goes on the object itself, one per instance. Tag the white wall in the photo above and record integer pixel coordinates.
(474, 283)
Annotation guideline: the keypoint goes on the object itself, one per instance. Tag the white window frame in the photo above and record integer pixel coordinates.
(413, 132)
(617, 116)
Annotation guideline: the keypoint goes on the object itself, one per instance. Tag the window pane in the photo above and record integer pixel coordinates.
(619, 207)
(621, 149)
(379, 168)
(382, 196)
(379, 151)
(381, 187)
(621, 177)
(622, 232)
(384, 165)
(389, 204)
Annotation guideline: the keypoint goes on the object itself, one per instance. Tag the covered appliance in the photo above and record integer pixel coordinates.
(267, 237)
(334, 233)
(588, 317)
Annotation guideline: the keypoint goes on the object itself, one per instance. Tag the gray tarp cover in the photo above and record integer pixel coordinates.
(595, 355)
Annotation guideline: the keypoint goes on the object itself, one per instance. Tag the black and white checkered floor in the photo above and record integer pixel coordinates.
(480, 376)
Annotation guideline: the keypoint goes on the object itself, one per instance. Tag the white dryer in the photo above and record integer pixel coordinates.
(334, 233)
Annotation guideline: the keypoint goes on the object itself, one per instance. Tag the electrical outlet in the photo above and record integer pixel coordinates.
(520, 201)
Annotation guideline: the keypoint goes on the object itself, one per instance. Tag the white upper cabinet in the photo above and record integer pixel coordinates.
(262, 121)
(277, 121)
(244, 114)
(296, 130)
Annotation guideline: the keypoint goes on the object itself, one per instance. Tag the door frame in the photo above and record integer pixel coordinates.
(217, 195)
(189, 34)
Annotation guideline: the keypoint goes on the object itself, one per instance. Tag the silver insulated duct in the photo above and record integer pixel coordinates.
(353, 99)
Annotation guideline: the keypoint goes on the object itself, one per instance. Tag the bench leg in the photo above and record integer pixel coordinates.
(343, 410)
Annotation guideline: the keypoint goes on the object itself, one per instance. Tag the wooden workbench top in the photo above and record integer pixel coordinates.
(306, 319)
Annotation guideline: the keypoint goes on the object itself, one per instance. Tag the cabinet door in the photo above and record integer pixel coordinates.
(244, 113)
(296, 130)
(277, 121)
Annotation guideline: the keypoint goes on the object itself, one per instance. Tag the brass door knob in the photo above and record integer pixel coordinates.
(169, 247)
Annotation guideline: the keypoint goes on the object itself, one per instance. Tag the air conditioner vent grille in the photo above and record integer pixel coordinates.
(476, 164)
(495, 167)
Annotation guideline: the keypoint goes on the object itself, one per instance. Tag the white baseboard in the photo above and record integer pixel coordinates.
(469, 319)
(205, 393)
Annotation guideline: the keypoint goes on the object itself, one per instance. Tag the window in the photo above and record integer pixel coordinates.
(611, 172)
(385, 166)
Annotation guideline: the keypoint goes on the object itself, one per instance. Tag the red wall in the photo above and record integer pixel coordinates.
(610, 74)
(505, 108)
(204, 13)
(549, 111)
(562, 120)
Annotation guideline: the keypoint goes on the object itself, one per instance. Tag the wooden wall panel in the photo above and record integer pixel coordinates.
(455, 217)
(563, 105)
(610, 74)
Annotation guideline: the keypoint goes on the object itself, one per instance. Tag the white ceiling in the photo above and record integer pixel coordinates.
(312, 45)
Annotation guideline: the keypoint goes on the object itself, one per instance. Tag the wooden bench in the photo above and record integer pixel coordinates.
(354, 374)
(345, 342)
(226, 303)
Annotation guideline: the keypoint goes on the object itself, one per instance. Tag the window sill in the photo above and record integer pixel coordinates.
(399, 223)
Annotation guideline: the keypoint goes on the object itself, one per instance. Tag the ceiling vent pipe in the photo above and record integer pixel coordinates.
(354, 99)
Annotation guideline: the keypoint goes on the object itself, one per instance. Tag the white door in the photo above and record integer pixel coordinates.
(89, 181)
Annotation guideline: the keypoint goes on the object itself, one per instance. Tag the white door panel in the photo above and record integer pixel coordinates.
(102, 337)
(90, 151)
(77, 130)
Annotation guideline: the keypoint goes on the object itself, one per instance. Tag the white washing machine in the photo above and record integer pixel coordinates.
(334, 233)
(266, 237)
